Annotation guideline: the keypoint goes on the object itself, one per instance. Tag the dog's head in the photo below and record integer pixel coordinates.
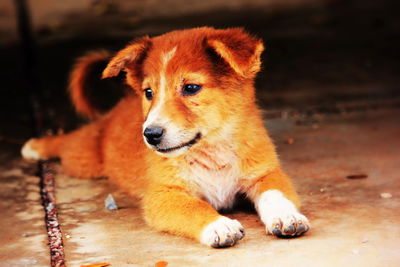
(193, 83)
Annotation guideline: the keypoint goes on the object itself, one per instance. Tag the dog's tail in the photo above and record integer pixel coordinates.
(90, 94)
(81, 82)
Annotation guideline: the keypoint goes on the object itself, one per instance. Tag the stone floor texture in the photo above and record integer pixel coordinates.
(23, 238)
(354, 223)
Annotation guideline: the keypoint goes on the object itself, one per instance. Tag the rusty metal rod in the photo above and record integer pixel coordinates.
(47, 175)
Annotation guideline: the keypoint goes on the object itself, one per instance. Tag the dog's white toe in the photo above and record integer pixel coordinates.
(280, 216)
(289, 224)
(223, 232)
(28, 152)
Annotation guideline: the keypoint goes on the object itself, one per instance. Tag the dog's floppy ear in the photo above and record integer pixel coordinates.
(239, 49)
(129, 56)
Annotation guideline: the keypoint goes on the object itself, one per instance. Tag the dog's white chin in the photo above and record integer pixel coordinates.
(169, 154)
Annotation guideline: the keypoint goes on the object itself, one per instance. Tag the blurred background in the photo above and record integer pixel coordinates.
(328, 56)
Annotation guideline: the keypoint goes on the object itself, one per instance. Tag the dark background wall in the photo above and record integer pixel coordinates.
(319, 54)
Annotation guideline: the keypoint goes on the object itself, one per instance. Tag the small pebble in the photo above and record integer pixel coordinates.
(365, 240)
(386, 195)
(67, 236)
(290, 141)
(322, 190)
(110, 203)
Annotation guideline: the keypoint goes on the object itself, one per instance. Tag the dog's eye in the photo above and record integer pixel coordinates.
(148, 93)
(191, 89)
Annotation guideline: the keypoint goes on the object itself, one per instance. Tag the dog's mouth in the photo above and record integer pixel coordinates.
(187, 144)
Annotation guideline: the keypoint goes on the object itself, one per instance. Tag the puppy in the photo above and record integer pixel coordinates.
(189, 140)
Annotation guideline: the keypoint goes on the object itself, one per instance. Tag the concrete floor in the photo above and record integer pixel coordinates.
(23, 238)
(352, 224)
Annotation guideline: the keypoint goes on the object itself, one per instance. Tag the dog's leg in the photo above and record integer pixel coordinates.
(171, 209)
(42, 148)
(277, 204)
(79, 151)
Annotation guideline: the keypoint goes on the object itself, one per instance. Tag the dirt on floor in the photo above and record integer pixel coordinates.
(346, 170)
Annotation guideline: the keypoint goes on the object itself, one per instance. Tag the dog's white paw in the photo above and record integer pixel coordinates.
(223, 232)
(287, 224)
(28, 152)
(280, 215)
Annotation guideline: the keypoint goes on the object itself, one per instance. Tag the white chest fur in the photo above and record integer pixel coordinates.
(213, 173)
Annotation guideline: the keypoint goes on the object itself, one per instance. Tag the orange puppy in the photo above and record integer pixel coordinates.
(189, 141)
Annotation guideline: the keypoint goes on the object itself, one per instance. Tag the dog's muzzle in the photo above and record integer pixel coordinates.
(155, 136)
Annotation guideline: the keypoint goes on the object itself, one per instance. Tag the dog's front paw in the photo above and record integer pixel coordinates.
(29, 152)
(280, 215)
(223, 232)
(287, 224)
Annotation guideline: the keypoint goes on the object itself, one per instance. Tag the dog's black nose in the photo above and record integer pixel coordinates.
(153, 135)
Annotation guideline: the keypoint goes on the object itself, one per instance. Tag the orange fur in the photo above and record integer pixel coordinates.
(234, 154)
